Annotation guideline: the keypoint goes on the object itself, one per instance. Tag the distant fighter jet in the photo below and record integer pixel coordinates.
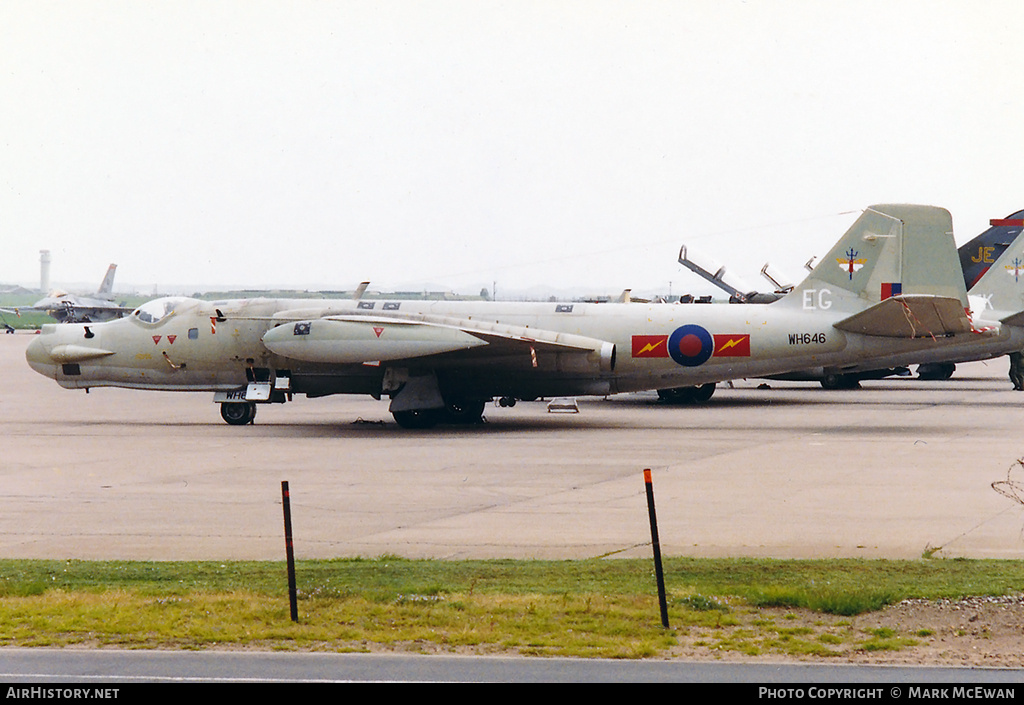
(71, 308)
(890, 288)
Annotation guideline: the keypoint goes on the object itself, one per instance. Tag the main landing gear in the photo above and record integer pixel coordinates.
(463, 412)
(840, 381)
(936, 370)
(687, 395)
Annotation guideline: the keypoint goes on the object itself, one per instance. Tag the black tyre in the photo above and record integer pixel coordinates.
(838, 381)
(704, 392)
(465, 411)
(238, 414)
(417, 418)
(687, 395)
(677, 395)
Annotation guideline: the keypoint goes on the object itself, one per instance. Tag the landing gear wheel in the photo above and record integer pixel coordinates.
(839, 381)
(238, 413)
(687, 395)
(465, 411)
(678, 395)
(936, 371)
(417, 418)
(704, 392)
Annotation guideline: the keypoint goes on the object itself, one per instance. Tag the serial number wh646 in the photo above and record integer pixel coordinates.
(807, 339)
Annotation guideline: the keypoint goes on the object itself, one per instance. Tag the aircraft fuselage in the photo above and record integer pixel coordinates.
(219, 346)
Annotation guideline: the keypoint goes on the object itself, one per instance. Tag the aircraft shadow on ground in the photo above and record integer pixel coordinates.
(598, 414)
(761, 398)
(336, 427)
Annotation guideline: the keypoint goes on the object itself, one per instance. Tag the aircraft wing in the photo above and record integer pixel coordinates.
(70, 306)
(349, 339)
(910, 316)
(74, 313)
(18, 310)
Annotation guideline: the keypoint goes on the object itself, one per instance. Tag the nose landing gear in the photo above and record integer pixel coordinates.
(238, 413)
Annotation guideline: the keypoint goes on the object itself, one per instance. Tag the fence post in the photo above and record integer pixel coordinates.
(657, 548)
(290, 552)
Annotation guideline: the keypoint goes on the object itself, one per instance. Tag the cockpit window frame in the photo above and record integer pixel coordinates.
(156, 311)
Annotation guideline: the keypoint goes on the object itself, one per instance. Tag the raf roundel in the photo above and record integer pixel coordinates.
(690, 345)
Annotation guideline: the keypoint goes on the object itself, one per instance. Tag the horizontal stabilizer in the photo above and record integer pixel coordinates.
(910, 316)
(1016, 319)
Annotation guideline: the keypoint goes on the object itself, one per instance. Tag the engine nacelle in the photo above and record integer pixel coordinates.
(345, 341)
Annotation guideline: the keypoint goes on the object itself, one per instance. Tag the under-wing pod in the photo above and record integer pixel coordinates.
(345, 341)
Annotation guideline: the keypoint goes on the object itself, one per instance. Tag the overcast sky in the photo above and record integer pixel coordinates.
(466, 144)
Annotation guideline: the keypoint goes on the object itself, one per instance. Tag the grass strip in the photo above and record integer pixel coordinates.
(589, 608)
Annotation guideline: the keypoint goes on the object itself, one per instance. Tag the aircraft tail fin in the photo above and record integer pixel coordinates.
(360, 290)
(107, 285)
(978, 255)
(889, 251)
(1000, 286)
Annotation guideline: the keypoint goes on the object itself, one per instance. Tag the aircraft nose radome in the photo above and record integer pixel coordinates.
(38, 357)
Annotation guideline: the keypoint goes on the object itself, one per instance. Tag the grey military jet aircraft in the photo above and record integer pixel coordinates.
(72, 308)
(996, 306)
(981, 253)
(993, 271)
(977, 257)
(890, 287)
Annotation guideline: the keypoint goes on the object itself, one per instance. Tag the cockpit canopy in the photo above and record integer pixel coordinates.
(158, 309)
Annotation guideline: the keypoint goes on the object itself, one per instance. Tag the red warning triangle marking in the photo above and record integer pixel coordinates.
(378, 330)
(156, 339)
